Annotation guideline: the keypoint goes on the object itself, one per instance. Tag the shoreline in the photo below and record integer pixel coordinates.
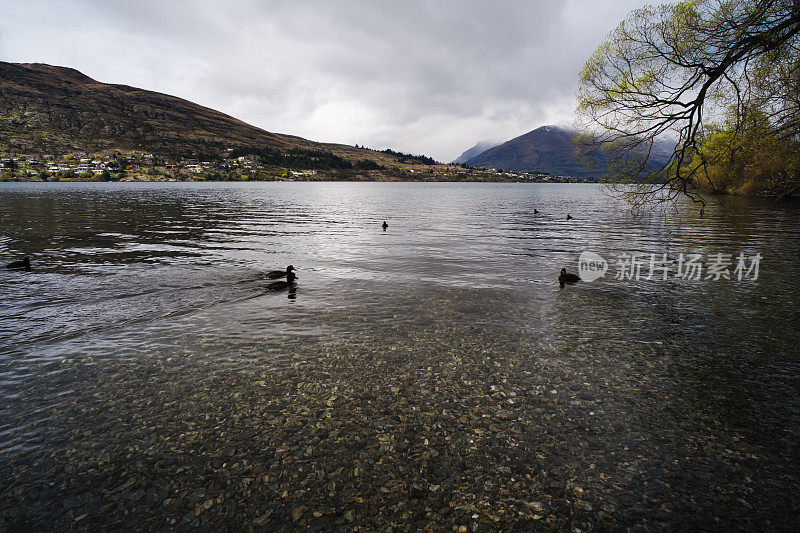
(326, 179)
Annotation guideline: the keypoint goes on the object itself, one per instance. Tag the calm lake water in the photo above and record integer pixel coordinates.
(170, 276)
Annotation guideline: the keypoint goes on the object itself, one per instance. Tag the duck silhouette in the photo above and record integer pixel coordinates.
(384, 225)
(276, 274)
(569, 217)
(281, 285)
(564, 278)
(25, 263)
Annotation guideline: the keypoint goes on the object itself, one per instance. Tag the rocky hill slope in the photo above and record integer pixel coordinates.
(50, 109)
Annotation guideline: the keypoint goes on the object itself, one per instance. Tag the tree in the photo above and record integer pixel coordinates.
(749, 159)
(670, 72)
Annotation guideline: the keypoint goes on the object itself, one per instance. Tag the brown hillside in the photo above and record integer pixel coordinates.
(44, 108)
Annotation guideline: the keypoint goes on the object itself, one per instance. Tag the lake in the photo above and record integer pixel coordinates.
(432, 374)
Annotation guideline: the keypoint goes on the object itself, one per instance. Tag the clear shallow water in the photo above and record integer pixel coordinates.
(136, 279)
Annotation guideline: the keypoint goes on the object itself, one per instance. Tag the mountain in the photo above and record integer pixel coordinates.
(547, 149)
(550, 149)
(58, 109)
(50, 109)
(475, 151)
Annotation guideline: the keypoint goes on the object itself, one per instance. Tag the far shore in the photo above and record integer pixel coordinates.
(384, 179)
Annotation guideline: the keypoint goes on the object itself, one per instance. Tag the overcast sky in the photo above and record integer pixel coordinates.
(429, 77)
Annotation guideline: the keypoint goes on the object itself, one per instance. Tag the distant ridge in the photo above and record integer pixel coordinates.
(547, 149)
(475, 151)
(48, 108)
(550, 149)
(51, 109)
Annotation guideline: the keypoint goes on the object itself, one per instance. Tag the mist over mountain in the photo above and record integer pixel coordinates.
(475, 151)
(547, 149)
(550, 149)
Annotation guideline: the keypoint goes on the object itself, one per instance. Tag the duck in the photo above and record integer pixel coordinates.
(535, 211)
(281, 285)
(275, 274)
(384, 225)
(17, 265)
(567, 278)
(569, 217)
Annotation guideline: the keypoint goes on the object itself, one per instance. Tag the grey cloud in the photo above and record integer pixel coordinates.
(426, 77)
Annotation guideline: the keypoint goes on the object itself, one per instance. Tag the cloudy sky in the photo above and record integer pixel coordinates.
(428, 77)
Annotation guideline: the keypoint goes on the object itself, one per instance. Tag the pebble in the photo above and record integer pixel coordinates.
(435, 433)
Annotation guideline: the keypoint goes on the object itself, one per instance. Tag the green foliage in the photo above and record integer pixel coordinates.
(295, 158)
(671, 72)
(744, 156)
(368, 164)
(408, 158)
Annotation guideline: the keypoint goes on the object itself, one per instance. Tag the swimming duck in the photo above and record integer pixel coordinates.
(567, 278)
(24, 263)
(280, 285)
(275, 274)
(569, 217)
(535, 211)
(384, 225)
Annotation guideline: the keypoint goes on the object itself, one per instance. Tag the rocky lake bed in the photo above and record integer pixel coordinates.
(430, 377)
(424, 433)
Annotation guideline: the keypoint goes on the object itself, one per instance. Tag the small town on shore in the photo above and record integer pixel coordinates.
(141, 166)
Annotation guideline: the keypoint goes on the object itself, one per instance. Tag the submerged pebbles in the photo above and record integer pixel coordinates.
(433, 423)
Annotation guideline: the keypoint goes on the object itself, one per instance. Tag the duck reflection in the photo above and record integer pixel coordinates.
(283, 285)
